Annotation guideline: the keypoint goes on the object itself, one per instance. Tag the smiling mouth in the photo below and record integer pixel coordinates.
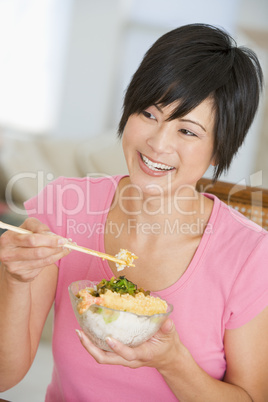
(156, 167)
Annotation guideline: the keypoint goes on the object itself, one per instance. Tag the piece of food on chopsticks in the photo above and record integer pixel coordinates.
(120, 294)
(126, 256)
(122, 260)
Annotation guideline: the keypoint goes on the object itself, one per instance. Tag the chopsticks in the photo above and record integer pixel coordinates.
(70, 245)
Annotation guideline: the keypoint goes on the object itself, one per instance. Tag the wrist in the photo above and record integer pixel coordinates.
(178, 363)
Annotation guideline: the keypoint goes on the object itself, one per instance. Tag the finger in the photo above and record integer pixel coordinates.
(135, 357)
(39, 255)
(34, 225)
(28, 247)
(37, 227)
(19, 267)
(40, 240)
(165, 335)
(102, 356)
(98, 354)
(10, 240)
(112, 358)
(27, 270)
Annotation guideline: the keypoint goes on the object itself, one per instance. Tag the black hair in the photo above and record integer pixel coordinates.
(190, 64)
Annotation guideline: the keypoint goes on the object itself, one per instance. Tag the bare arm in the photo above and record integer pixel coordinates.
(246, 355)
(28, 278)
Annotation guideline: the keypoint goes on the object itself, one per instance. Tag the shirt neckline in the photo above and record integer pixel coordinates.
(195, 262)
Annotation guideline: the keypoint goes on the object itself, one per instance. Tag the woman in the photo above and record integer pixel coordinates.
(189, 105)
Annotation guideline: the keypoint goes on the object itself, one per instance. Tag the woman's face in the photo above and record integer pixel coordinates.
(169, 154)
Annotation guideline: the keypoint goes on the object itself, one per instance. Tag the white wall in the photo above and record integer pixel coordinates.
(90, 68)
(106, 43)
(33, 42)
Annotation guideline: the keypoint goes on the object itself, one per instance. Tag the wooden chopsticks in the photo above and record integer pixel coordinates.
(71, 246)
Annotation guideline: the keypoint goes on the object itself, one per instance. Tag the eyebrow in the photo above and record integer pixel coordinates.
(184, 120)
(194, 122)
(158, 107)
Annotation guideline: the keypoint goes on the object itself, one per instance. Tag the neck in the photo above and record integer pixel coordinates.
(185, 204)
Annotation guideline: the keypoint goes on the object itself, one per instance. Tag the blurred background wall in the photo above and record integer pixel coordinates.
(64, 67)
(64, 64)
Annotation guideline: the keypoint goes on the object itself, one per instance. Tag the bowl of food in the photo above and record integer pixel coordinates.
(117, 308)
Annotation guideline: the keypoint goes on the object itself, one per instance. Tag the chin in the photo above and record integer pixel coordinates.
(152, 186)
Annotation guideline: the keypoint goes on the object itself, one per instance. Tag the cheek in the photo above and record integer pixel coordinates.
(128, 145)
(198, 155)
(126, 141)
(127, 133)
(124, 146)
(132, 135)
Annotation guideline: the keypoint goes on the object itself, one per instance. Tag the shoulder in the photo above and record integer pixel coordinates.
(71, 196)
(98, 181)
(243, 250)
(237, 257)
(230, 224)
(72, 187)
(87, 190)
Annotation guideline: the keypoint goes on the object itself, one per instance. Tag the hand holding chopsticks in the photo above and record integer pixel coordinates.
(125, 260)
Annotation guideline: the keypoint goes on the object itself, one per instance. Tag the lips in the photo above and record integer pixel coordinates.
(155, 166)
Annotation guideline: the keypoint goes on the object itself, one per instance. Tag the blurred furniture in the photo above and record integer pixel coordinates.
(28, 164)
(250, 201)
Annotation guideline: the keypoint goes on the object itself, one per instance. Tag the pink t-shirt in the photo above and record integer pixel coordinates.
(224, 287)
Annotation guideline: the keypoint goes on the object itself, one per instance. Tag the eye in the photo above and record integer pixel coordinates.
(148, 115)
(188, 133)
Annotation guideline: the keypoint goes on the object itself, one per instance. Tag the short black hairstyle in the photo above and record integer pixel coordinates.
(190, 64)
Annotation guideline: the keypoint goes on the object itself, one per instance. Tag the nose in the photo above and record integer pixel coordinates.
(162, 140)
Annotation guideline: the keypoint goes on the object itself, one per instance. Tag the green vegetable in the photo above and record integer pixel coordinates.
(119, 285)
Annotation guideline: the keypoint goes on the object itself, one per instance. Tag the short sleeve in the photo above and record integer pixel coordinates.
(66, 202)
(249, 293)
(48, 206)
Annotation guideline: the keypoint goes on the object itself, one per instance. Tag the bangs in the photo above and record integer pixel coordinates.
(163, 80)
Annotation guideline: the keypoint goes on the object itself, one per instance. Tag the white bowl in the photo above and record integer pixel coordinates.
(99, 322)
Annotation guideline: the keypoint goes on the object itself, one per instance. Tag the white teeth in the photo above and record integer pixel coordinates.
(155, 166)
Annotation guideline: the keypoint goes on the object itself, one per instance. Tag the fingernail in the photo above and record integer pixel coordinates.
(62, 241)
(79, 334)
(110, 342)
(47, 232)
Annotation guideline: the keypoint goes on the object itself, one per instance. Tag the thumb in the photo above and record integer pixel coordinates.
(168, 326)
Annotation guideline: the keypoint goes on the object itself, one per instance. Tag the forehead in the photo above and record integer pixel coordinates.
(174, 109)
(203, 115)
